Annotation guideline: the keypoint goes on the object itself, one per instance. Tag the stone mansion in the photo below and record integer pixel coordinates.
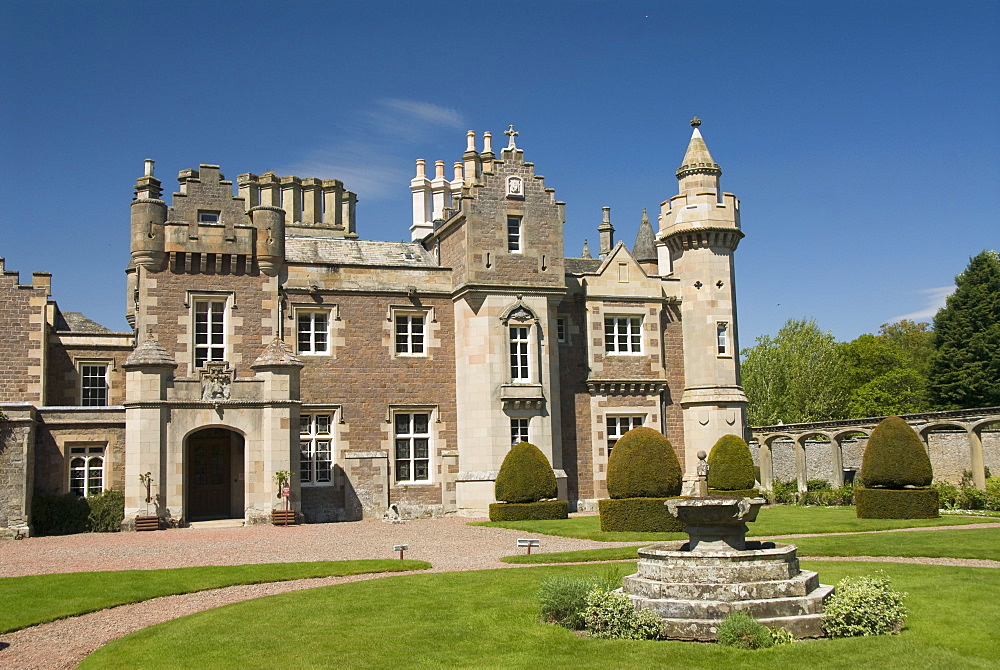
(268, 336)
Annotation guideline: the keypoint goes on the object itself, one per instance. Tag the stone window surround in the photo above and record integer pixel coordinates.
(430, 328)
(433, 419)
(87, 451)
(722, 339)
(193, 299)
(519, 430)
(515, 234)
(624, 314)
(108, 365)
(302, 310)
(332, 411)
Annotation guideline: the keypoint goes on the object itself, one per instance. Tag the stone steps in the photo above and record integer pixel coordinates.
(798, 586)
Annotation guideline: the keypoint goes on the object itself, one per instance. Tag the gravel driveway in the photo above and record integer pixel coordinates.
(449, 544)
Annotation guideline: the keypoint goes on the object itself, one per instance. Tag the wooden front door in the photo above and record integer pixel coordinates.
(210, 474)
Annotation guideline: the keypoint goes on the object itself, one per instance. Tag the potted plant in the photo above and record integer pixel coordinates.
(283, 517)
(147, 521)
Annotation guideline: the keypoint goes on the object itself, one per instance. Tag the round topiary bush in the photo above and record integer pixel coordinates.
(895, 457)
(525, 476)
(730, 465)
(643, 465)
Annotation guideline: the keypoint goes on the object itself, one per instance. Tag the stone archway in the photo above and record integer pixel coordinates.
(214, 474)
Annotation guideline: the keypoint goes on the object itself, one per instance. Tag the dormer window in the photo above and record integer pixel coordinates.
(207, 216)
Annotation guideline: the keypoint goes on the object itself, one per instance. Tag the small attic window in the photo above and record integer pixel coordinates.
(208, 216)
(408, 256)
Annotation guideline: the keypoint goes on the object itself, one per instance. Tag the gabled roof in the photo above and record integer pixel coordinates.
(75, 322)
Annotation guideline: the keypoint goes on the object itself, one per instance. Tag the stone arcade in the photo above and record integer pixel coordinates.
(269, 336)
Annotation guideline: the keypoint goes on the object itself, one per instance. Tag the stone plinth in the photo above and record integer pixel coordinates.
(693, 585)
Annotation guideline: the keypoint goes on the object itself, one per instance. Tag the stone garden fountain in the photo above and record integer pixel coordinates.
(692, 585)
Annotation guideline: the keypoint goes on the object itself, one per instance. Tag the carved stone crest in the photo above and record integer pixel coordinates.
(515, 187)
(216, 381)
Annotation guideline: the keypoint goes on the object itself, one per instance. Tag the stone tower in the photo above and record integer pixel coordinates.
(700, 230)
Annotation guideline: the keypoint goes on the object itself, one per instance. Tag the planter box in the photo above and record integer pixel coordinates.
(280, 517)
(147, 523)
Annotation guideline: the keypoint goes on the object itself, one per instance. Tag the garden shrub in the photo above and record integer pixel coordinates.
(896, 503)
(730, 465)
(563, 600)
(525, 476)
(992, 498)
(743, 493)
(53, 514)
(643, 465)
(895, 457)
(865, 605)
(781, 636)
(829, 497)
(610, 614)
(637, 515)
(818, 485)
(107, 510)
(534, 511)
(784, 493)
(742, 631)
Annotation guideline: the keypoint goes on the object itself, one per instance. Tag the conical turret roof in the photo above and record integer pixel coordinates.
(697, 157)
(644, 249)
(149, 353)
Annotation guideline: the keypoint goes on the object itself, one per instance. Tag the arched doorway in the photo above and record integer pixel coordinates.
(214, 474)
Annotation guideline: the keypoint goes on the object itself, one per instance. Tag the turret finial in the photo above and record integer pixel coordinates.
(695, 122)
(586, 250)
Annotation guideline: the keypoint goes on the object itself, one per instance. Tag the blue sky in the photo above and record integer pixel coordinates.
(861, 137)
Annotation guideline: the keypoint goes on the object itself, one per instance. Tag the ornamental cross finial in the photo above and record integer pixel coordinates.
(695, 122)
(511, 133)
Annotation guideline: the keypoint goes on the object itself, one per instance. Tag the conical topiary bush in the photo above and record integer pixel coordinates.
(730, 467)
(895, 457)
(524, 485)
(895, 474)
(643, 472)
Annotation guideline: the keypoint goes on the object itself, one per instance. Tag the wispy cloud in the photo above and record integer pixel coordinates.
(367, 154)
(934, 299)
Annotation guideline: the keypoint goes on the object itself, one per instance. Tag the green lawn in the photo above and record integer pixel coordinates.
(971, 543)
(488, 619)
(27, 601)
(778, 520)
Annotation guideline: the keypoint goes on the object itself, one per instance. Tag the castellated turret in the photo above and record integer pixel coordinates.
(149, 213)
(699, 230)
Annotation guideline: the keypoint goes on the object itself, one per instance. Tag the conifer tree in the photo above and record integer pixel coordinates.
(965, 369)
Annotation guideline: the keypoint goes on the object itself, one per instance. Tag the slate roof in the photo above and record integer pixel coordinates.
(75, 322)
(576, 266)
(303, 249)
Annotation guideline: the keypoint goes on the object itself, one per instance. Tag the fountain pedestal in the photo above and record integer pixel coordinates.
(693, 585)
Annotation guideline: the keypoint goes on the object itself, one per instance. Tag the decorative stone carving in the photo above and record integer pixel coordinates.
(216, 381)
(515, 187)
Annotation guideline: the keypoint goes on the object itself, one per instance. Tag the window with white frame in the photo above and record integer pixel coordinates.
(86, 470)
(722, 337)
(520, 369)
(316, 449)
(514, 234)
(413, 446)
(93, 384)
(209, 330)
(623, 334)
(561, 330)
(619, 425)
(410, 334)
(518, 431)
(313, 329)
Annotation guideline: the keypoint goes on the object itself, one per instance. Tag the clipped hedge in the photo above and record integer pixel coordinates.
(895, 457)
(638, 515)
(533, 511)
(59, 514)
(643, 465)
(896, 503)
(742, 493)
(107, 511)
(730, 465)
(525, 476)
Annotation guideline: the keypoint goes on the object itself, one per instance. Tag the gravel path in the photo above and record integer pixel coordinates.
(448, 544)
